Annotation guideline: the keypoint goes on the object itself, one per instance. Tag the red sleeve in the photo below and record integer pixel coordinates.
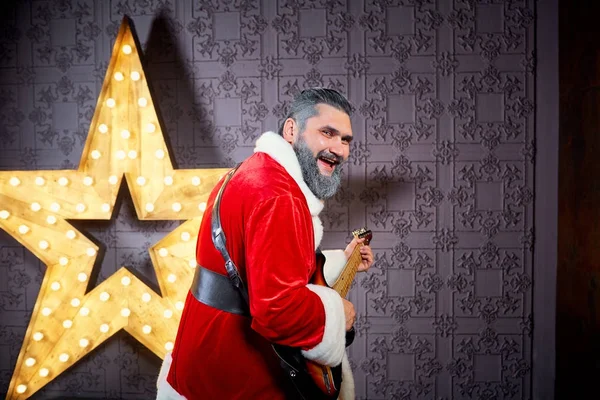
(279, 260)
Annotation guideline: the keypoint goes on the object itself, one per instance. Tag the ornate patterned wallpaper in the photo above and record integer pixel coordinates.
(441, 169)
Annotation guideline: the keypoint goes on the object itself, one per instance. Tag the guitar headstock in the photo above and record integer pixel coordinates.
(363, 233)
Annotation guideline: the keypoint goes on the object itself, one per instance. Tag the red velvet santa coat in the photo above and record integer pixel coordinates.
(271, 223)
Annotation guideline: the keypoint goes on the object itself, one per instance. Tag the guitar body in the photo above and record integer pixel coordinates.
(312, 380)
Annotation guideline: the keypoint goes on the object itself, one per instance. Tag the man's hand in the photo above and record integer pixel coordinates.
(349, 313)
(365, 252)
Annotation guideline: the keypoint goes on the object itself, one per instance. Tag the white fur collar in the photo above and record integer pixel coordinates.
(281, 151)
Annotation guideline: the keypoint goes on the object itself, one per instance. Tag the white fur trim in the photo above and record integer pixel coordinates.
(335, 261)
(332, 348)
(347, 391)
(165, 390)
(281, 151)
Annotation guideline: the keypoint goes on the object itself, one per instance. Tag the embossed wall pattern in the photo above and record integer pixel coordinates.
(441, 168)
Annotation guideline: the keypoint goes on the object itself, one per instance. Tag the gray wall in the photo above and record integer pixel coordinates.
(441, 169)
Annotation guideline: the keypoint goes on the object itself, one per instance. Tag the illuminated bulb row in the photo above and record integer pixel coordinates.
(120, 154)
(142, 101)
(175, 206)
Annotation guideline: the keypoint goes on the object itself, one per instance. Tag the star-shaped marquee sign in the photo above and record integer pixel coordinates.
(125, 140)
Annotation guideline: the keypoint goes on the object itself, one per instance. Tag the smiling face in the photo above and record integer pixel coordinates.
(321, 148)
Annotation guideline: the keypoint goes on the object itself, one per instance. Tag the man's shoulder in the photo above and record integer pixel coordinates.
(262, 175)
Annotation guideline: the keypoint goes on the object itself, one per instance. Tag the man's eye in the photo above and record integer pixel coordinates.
(328, 133)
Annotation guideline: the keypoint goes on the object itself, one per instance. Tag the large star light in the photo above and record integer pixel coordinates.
(125, 140)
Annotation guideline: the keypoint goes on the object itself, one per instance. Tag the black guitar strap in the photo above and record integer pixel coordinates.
(218, 238)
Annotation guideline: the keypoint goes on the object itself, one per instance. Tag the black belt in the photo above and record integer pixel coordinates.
(215, 290)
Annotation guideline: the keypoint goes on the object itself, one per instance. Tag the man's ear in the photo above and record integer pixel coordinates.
(290, 130)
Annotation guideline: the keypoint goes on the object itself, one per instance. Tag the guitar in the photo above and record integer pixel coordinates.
(312, 380)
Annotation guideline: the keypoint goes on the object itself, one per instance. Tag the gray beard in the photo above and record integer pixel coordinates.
(322, 186)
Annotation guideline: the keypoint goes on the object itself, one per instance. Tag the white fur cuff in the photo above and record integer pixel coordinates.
(165, 390)
(347, 391)
(331, 350)
(335, 260)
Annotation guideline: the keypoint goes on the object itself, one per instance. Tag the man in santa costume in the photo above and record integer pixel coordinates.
(270, 216)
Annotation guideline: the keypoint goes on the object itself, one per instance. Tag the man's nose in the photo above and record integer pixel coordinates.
(337, 148)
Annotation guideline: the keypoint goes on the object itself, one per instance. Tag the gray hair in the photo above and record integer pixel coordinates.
(304, 105)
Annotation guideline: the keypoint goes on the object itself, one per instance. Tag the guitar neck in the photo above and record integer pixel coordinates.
(343, 283)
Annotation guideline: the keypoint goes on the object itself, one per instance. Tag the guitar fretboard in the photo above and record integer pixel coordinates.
(344, 282)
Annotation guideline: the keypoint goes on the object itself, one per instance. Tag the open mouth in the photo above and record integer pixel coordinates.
(327, 165)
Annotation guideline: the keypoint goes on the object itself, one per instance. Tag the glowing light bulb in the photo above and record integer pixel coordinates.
(40, 181)
(163, 252)
(113, 180)
(103, 128)
(14, 181)
(4, 214)
(82, 277)
(62, 181)
(168, 180)
(125, 281)
(71, 234)
(51, 219)
(30, 362)
(23, 229)
(150, 128)
(44, 372)
(80, 207)
(185, 236)
(140, 180)
(110, 103)
(83, 342)
(21, 389)
(36, 207)
(169, 346)
(38, 336)
(126, 49)
(96, 154)
(55, 207)
(55, 286)
(171, 278)
(104, 328)
(160, 154)
(192, 263)
(125, 312)
(64, 357)
(119, 76)
(168, 314)
(132, 154)
(125, 134)
(46, 311)
(142, 102)
(176, 207)
(75, 302)
(135, 76)
(120, 155)
(88, 181)
(146, 329)
(105, 207)
(63, 261)
(202, 206)
(196, 180)
(104, 296)
(43, 244)
(149, 207)
(84, 311)
(146, 297)
(67, 324)
(179, 305)
(90, 252)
